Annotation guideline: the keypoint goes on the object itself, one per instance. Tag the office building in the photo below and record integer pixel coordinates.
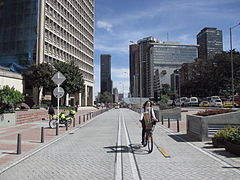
(134, 70)
(166, 57)
(106, 81)
(115, 95)
(34, 32)
(210, 42)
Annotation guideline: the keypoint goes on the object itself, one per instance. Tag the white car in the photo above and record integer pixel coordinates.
(216, 103)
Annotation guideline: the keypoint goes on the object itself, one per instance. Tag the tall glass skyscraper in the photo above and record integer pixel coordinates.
(210, 41)
(35, 31)
(106, 81)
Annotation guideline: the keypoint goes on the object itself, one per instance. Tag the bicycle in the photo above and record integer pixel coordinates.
(148, 139)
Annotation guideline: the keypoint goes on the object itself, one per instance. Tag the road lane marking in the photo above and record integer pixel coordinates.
(135, 172)
(118, 164)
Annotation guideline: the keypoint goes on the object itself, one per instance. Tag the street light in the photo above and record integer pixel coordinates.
(232, 61)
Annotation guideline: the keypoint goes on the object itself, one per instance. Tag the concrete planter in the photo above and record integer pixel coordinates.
(172, 114)
(7, 119)
(233, 148)
(204, 127)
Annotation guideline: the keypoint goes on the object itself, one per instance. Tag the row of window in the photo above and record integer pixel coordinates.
(50, 49)
(59, 12)
(86, 75)
(73, 48)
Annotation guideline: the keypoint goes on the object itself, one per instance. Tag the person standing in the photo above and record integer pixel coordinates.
(51, 111)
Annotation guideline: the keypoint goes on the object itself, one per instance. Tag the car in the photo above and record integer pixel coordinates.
(227, 104)
(116, 107)
(216, 103)
(180, 101)
(204, 104)
(193, 101)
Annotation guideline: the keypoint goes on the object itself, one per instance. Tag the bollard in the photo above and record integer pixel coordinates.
(67, 126)
(168, 122)
(74, 122)
(19, 144)
(178, 125)
(84, 118)
(42, 134)
(79, 119)
(57, 127)
(162, 120)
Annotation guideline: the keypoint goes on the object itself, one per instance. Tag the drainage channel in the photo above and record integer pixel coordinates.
(119, 171)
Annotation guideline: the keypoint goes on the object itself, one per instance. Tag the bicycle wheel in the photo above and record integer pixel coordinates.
(150, 142)
(52, 123)
(145, 139)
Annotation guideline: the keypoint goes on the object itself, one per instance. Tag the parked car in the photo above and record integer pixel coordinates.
(186, 102)
(216, 103)
(227, 104)
(204, 104)
(193, 101)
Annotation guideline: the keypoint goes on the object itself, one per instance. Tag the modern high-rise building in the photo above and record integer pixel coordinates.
(167, 57)
(106, 81)
(134, 70)
(210, 42)
(34, 32)
(155, 63)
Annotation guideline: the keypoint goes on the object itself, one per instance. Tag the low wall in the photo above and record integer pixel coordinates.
(204, 127)
(172, 114)
(7, 120)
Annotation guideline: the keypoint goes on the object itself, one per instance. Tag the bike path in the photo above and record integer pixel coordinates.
(108, 147)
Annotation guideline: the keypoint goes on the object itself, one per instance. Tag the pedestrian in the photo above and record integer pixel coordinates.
(147, 115)
(51, 111)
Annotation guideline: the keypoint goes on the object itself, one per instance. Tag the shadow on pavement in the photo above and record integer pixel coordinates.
(132, 148)
(182, 138)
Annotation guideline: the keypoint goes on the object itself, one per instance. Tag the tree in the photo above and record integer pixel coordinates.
(39, 76)
(9, 99)
(106, 97)
(74, 82)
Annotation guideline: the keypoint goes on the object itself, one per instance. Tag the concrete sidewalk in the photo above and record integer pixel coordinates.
(31, 136)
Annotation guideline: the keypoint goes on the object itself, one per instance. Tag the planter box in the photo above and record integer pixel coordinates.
(204, 127)
(233, 148)
(8, 119)
(218, 142)
(172, 114)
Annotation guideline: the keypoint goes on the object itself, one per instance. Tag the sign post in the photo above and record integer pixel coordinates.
(58, 92)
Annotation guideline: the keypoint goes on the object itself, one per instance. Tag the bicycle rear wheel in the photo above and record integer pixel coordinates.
(150, 142)
(52, 123)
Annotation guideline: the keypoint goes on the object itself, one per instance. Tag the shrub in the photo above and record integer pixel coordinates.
(222, 133)
(9, 99)
(214, 112)
(233, 135)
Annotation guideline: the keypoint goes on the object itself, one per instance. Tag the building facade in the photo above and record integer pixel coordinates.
(166, 58)
(106, 81)
(115, 95)
(34, 32)
(134, 70)
(210, 42)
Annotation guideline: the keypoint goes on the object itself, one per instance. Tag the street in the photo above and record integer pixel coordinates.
(108, 147)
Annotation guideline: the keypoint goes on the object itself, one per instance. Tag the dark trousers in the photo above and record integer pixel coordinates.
(143, 130)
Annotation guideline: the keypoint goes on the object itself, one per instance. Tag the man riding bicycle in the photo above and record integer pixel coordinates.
(147, 119)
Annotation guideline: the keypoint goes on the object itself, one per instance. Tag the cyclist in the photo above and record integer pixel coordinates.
(147, 107)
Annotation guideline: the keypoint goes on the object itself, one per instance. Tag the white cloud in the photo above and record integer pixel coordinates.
(104, 25)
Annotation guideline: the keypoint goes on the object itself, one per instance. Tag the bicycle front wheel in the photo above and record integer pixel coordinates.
(150, 142)
(52, 123)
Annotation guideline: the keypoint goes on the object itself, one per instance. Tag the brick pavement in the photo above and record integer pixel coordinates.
(30, 134)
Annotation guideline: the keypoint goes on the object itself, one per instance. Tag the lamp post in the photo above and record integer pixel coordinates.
(231, 54)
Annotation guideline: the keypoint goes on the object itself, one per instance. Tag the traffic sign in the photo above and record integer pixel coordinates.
(58, 78)
(58, 92)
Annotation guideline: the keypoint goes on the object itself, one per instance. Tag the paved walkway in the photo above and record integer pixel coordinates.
(108, 147)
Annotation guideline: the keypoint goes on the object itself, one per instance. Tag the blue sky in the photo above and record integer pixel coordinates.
(119, 21)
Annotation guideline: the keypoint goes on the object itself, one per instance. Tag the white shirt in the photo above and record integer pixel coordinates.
(151, 112)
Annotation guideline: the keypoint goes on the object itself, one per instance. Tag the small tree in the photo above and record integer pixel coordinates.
(9, 99)
(106, 97)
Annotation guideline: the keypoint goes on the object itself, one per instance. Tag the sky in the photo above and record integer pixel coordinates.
(117, 22)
